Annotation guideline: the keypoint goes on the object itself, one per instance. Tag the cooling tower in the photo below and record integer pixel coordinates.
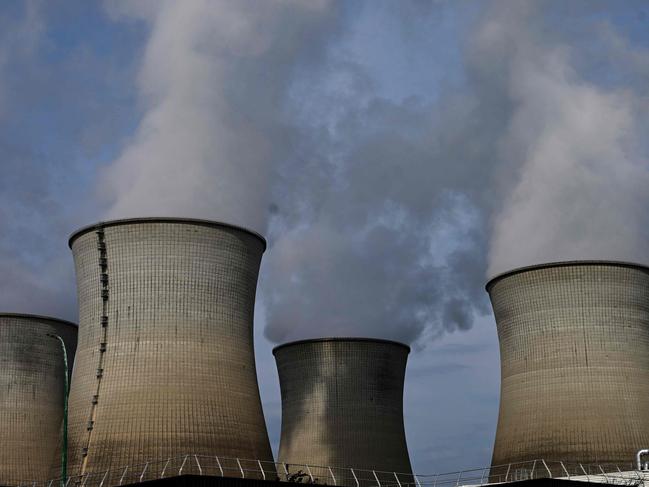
(165, 363)
(574, 349)
(31, 399)
(342, 405)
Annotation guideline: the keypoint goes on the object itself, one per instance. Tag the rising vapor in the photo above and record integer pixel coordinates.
(576, 153)
(212, 83)
(386, 214)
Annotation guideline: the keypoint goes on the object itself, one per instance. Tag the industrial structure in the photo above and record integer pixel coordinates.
(32, 378)
(342, 405)
(164, 381)
(165, 363)
(574, 347)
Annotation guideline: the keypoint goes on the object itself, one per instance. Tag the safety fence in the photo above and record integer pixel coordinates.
(215, 466)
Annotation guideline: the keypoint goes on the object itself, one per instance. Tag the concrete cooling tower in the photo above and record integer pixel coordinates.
(165, 363)
(574, 348)
(31, 402)
(342, 405)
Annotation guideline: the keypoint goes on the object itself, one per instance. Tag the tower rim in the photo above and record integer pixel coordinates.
(563, 263)
(30, 316)
(339, 339)
(162, 219)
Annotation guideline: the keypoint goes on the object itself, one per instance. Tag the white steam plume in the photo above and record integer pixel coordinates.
(576, 155)
(386, 216)
(212, 82)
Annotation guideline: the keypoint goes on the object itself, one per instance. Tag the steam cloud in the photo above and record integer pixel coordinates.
(386, 208)
(532, 163)
(212, 82)
(577, 151)
(385, 216)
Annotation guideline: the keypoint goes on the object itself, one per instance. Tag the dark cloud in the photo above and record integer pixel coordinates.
(527, 160)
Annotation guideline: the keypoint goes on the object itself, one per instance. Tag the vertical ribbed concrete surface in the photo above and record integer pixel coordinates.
(574, 348)
(165, 364)
(342, 405)
(31, 394)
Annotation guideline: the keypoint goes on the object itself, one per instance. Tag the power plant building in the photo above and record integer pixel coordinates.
(164, 369)
(574, 347)
(32, 378)
(165, 364)
(342, 405)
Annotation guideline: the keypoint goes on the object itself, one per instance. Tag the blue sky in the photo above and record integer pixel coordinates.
(396, 154)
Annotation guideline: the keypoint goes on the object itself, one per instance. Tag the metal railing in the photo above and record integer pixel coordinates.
(215, 466)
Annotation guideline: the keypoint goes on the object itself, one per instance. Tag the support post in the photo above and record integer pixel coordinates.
(355, 478)
(332, 475)
(66, 391)
(377, 479)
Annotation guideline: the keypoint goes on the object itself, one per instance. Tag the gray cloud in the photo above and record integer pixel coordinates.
(386, 211)
(19, 35)
(25, 200)
(527, 161)
(57, 113)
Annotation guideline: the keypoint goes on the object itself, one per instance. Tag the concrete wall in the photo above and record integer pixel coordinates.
(31, 394)
(342, 405)
(574, 346)
(165, 364)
